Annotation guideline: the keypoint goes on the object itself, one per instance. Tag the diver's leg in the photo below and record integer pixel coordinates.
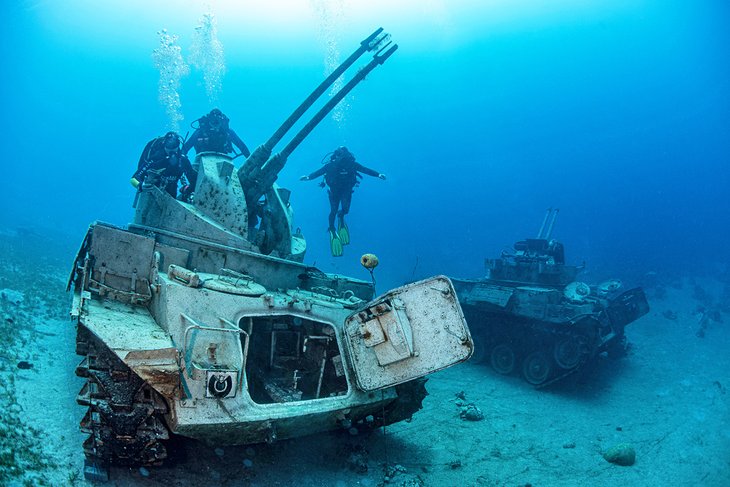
(342, 229)
(335, 243)
(346, 200)
(334, 205)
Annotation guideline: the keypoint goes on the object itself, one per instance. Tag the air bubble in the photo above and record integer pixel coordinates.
(331, 14)
(206, 54)
(169, 61)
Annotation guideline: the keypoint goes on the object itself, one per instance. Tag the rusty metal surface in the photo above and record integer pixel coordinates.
(220, 196)
(134, 336)
(158, 211)
(120, 253)
(184, 332)
(407, 333)
(121, 264)
(496, 295)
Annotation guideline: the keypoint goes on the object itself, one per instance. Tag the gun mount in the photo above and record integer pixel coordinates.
(249, 211)
(261, 169)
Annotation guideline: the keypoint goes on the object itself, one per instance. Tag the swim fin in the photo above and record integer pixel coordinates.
(335, 244)
(343, 232)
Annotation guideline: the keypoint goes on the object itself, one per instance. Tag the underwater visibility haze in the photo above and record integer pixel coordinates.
(489, 113)
(615, 112)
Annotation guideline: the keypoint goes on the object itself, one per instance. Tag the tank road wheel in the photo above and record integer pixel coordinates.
(536, 368)
(502, 358)
(570, 351)
(124, 417)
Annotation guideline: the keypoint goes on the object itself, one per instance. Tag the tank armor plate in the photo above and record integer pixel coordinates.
(241, 287)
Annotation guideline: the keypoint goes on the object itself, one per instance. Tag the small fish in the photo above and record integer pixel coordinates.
(25, 365)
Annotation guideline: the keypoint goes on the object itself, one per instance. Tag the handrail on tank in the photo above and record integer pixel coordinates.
(260, 179)
(262, 153)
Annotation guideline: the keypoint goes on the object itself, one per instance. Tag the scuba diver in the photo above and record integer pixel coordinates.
(341, 175)
(214, 134)
(163, 164)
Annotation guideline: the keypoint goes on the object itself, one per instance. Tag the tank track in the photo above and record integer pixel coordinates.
(555, 334)
(124, 419)
(537, 342)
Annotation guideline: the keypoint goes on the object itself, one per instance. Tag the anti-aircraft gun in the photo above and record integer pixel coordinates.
(200, 319)
(530, 314)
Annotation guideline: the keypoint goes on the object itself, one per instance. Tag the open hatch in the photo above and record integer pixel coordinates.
(407, 333)
(292, 359)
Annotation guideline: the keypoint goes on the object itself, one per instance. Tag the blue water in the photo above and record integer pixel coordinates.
(617, 113)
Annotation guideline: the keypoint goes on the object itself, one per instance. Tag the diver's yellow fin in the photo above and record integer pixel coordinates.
(335, 244)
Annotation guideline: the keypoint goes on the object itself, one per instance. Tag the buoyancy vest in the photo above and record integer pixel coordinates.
(342, 172)
(209, 138)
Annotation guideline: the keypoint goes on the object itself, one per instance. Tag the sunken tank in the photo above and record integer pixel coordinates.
(200, 319)
(530, 315)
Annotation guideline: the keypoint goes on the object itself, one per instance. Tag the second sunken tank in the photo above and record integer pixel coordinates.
(530, 316)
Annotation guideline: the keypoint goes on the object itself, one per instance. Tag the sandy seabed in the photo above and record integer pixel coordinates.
(667, 398)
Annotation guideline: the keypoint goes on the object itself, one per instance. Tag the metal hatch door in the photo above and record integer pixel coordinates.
(409, 332)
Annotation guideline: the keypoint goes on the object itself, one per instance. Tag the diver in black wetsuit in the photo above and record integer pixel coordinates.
(214, 134)
(341, 175)
(162, 164)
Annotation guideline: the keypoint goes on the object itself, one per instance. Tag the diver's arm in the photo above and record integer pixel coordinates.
(190, 142)
(370, 172)
(190, 173)
(236, 140)
(143, 164)
(145, 154)
(316, 173)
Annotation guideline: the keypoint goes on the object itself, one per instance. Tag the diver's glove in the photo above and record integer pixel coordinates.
(134, 182)
(381, 176)
(186, 194)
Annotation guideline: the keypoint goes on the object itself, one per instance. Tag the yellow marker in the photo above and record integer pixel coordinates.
(369, 261)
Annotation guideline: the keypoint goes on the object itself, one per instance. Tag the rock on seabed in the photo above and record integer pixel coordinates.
(622, 454)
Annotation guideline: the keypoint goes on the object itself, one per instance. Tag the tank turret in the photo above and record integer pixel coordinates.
(530, 315)
(247, 210)
(539, 260)
(200, 319)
